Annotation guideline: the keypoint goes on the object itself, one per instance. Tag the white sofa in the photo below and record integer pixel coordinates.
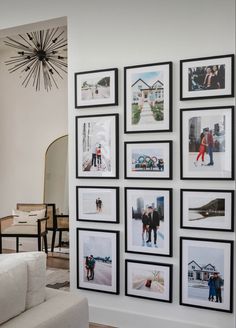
(26, 302)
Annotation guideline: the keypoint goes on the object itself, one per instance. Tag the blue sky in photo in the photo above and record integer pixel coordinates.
(148, 77)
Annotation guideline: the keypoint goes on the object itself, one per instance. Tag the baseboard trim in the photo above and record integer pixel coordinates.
(121, 319)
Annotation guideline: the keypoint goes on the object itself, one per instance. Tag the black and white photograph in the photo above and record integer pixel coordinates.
(97, 204)
(207, 150)
(98, 260)
(148, 218)
(148, 98)
(206, 272)
(209, 77)
(96, 88)
(97, 153)
(148, 280)
(207, 209)
(148, 160)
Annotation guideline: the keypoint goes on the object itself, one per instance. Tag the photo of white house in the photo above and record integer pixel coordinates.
(147, 97)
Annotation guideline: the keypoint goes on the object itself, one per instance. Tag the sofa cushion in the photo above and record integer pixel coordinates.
(13, 288)
(36, 268)
(61, 310)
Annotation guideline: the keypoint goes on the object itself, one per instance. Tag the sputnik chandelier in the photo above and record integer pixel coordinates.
(41, 55)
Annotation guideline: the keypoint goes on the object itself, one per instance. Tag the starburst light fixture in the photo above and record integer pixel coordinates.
(41, 55)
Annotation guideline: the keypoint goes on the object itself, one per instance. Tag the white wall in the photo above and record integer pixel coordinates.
(29, 122)
(109, 33)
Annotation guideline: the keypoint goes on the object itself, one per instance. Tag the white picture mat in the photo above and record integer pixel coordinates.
(207, 62)
(225, 157)
(87, 204)
(158, 125)
(95, 76)
(133, 268)
(160, 148)
(133, 195)
(226, 263)
(196, 199)
(110, 122)
(83, 238)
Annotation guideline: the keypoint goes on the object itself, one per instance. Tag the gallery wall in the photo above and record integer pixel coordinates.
(109, 34)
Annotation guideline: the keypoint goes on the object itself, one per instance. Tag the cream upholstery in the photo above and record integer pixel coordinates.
(58, 309)
(11, 272)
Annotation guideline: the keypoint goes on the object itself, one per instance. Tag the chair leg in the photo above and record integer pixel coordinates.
(45, 243)
(17, 244)
(60, 238)
(39, 244)
(53, 240)
(0, 244)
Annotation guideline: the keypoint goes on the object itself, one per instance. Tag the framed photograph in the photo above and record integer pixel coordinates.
(148, 98)
(98, 260)
(148, 220)
(148, 160)
(207, 209)
(97, 204)
(148, 280)
(207, 143)
(206, 273)
(208, 77)
(97, 153)
(96, 88)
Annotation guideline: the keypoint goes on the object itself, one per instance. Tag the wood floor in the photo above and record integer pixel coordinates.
(94, 325)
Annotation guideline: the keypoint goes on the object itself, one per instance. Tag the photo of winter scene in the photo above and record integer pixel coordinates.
(97, 260)
(206, 273)
(206, 142)
(148, 280)
(97, 145)
(151, 159)
(206, 139)
(97, 204)
(148, 220)
(96, 142)
(207, 209)
(206, 77)
(95, 88)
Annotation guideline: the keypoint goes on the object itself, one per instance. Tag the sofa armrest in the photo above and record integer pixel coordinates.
(42, 224)
(6, 221)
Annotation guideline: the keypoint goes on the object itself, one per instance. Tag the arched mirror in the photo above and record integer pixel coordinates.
(56, 175)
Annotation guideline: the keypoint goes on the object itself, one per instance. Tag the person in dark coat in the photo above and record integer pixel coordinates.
(153, 223)
(218, 284)
(212, 289)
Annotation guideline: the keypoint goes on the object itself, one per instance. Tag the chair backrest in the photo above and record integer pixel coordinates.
(30, 207)
(51, 214)
(63, 222)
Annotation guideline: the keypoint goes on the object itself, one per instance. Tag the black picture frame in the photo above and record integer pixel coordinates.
(211, 208)
(100, 217)
(145, 289)
(82, 124)
(194, 83)
(151, 92)
(109, 75)
(219, 120)
(143, 170)
(141, 197)
(195, 275)
(110, 282)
